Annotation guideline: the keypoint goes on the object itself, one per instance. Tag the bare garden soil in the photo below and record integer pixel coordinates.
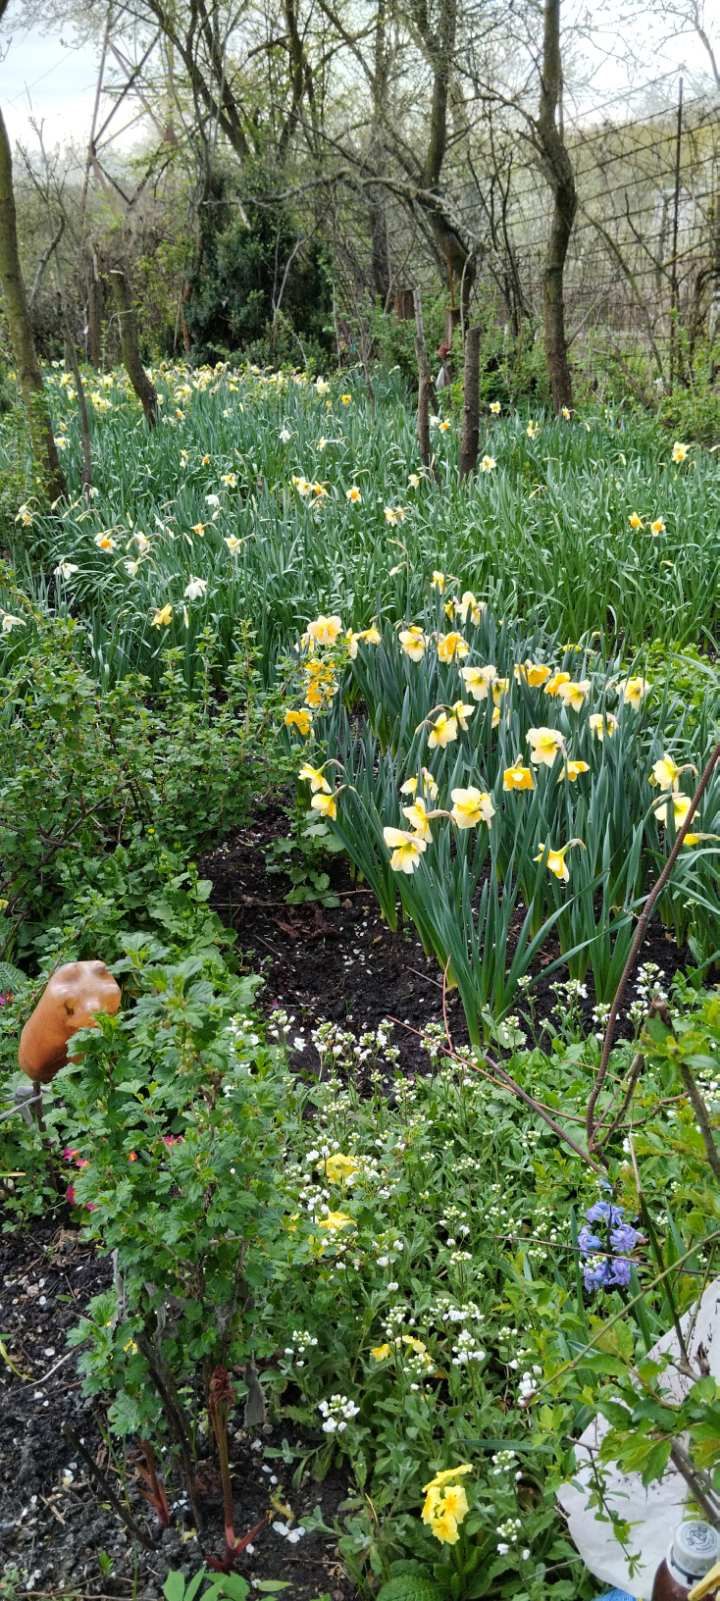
(58, 1534)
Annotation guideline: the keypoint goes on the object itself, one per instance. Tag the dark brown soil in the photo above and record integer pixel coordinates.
(56, 1533)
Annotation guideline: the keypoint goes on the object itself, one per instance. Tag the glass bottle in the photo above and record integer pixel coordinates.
(694, 1550)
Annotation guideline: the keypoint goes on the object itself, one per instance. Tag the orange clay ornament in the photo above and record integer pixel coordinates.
(71, 1000)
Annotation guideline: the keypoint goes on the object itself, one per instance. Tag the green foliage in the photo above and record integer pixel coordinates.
(410, 1586)
(221, 1587)
(302, 856)
(693, 412)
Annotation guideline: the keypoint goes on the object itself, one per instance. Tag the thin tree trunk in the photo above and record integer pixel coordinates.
(94, 313)
(425, 388)
(471, 416)
(129, 346)
(42, 441)
(558, 170)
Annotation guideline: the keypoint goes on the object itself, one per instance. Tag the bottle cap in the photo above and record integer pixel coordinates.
(695, 1547)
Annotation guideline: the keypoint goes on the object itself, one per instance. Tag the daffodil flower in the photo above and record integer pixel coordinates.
(233, 544)
(555, 860)
(301, 720)
(469, 606)
(324, 630)
(406, 849)
(9, 621)
(345, 400)
(162, 617)
(418, 819)
(532, 430)
(463, 713)
(602, 723)
(499, 689)
(479, 680)
(105, 542)
(565, 413)
(413, 641)
(488, 464)
(353, 494)
(410, 787)
(199, 529)
(533, 673)
(679, 451)
(680, 805)
(518, 777)
(450, 646)
(229, 480)
(635, 521)
(65, 569)
(414, 480)
(371, 635)
(633, 690)
(442, 732)
(315, 777)
(658, 526)
(326, 805)
(471, 806)
(574, 693)
(545, 743)
(572, 771)
(665, 773)
(555, 683)
(495, 408)
(438, 582)
(196, 588)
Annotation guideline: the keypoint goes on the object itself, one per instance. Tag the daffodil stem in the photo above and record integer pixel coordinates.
(640, 932)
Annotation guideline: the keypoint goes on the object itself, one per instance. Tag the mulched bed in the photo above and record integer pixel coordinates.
(54, 1530)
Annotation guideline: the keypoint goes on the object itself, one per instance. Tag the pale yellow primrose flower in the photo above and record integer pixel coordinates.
(341, 1169)
(406, 849)
(545, 743)
(479, 680)
(471, 806)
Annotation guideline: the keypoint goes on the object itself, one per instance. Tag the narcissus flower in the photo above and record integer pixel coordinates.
(487, 464)
(326, 805)
(426, 782)
(635, 521)
(518, 777)
(414, 480)
(555, 860)
(444, 426)
(633, 690)
(442, 732)
(324, 630)
(665, 772)
(229, 480)
(105, 542)
(406, 849)
(545, 743)
(471, 806)
(532, 430)
(680, 807)
(413, 641)
(233, 544)
(341, 1169)
(315, 777)
(24, 517)
(499, 690)
(495, 408)
(565, 413)
(418, 818)
(345, 400)
(479, 680)
(574, 693)
(450, 646)
(199, 528)
(658, 526)
(395, 515)
(196, 588)
(572, 771)
(469, 606)
(162, 617)
(602, 723)
(463, 713)
(65, 569)
(353, 494)
(438, 581)
(302, 485)
(679, 451)
(555, 683)
(301, 720)
(532, 673)
(371, 635)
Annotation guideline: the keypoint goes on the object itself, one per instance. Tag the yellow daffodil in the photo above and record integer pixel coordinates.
(469, 606)
(448, 1476)
(24, 517)
(301, 720)
(229, 480)
(438, 582)
(414, 480)
(499, 689)
(658, 526)
(463, 713)
(233, 544)
(321, 685)
(574, 693)
(545, 743)
(418, 818)
(602, 723)
(324, 630)
(488, 464)
(635, 521)
(495, 408)
(105, 542)
(472, 806)
(199, 529)
(532, 430)
(679, 451)
(442, 732)
(413, 641)
(341, 1169)
(326, 805)
(354, 495)
(370, 636)
(533, 673)
(633, 690)
(302, 485)
(572, 771)
(333, 1222)
(680, 807)
(565, 413)
(345, 400)
(410, 787)
(555, 683)
(320, 491)
(315, 777)
(406, 849)
(162, 617)
(478, 681)
(555, 860)
(518, 777)
(450, 646)
(665, 773)
(444, 426)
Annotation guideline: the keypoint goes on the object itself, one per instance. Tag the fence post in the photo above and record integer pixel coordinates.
(674, 285)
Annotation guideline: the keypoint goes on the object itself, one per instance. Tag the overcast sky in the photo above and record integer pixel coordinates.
(47, 75)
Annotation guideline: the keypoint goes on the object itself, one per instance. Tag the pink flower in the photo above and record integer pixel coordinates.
(70, 1153)
(70, 1194)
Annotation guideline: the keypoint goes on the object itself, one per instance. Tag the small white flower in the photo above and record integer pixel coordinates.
(9, 622)
(212, 500)
(196, 588)
(65, 569)
(285, 435)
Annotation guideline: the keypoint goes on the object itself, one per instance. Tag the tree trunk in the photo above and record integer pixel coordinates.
(558, 170)
(471, 415)
(94, 313)
(42, 441)
(144, 389)
(425, 387)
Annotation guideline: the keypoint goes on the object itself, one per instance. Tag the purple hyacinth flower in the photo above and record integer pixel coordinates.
(587, 1241)
(620, 1272)
(596, 1275)
(603, 1212)
(624, 1237)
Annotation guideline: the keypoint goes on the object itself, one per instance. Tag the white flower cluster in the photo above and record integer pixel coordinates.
(302, 1341)
(466, 1350)
(337, 1413)
(509, 1532)
(503, 1462)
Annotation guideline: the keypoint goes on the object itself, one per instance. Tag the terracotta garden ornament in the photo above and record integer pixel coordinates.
(71, 1000)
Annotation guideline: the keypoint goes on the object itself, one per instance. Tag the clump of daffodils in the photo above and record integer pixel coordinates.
(446, 1504)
